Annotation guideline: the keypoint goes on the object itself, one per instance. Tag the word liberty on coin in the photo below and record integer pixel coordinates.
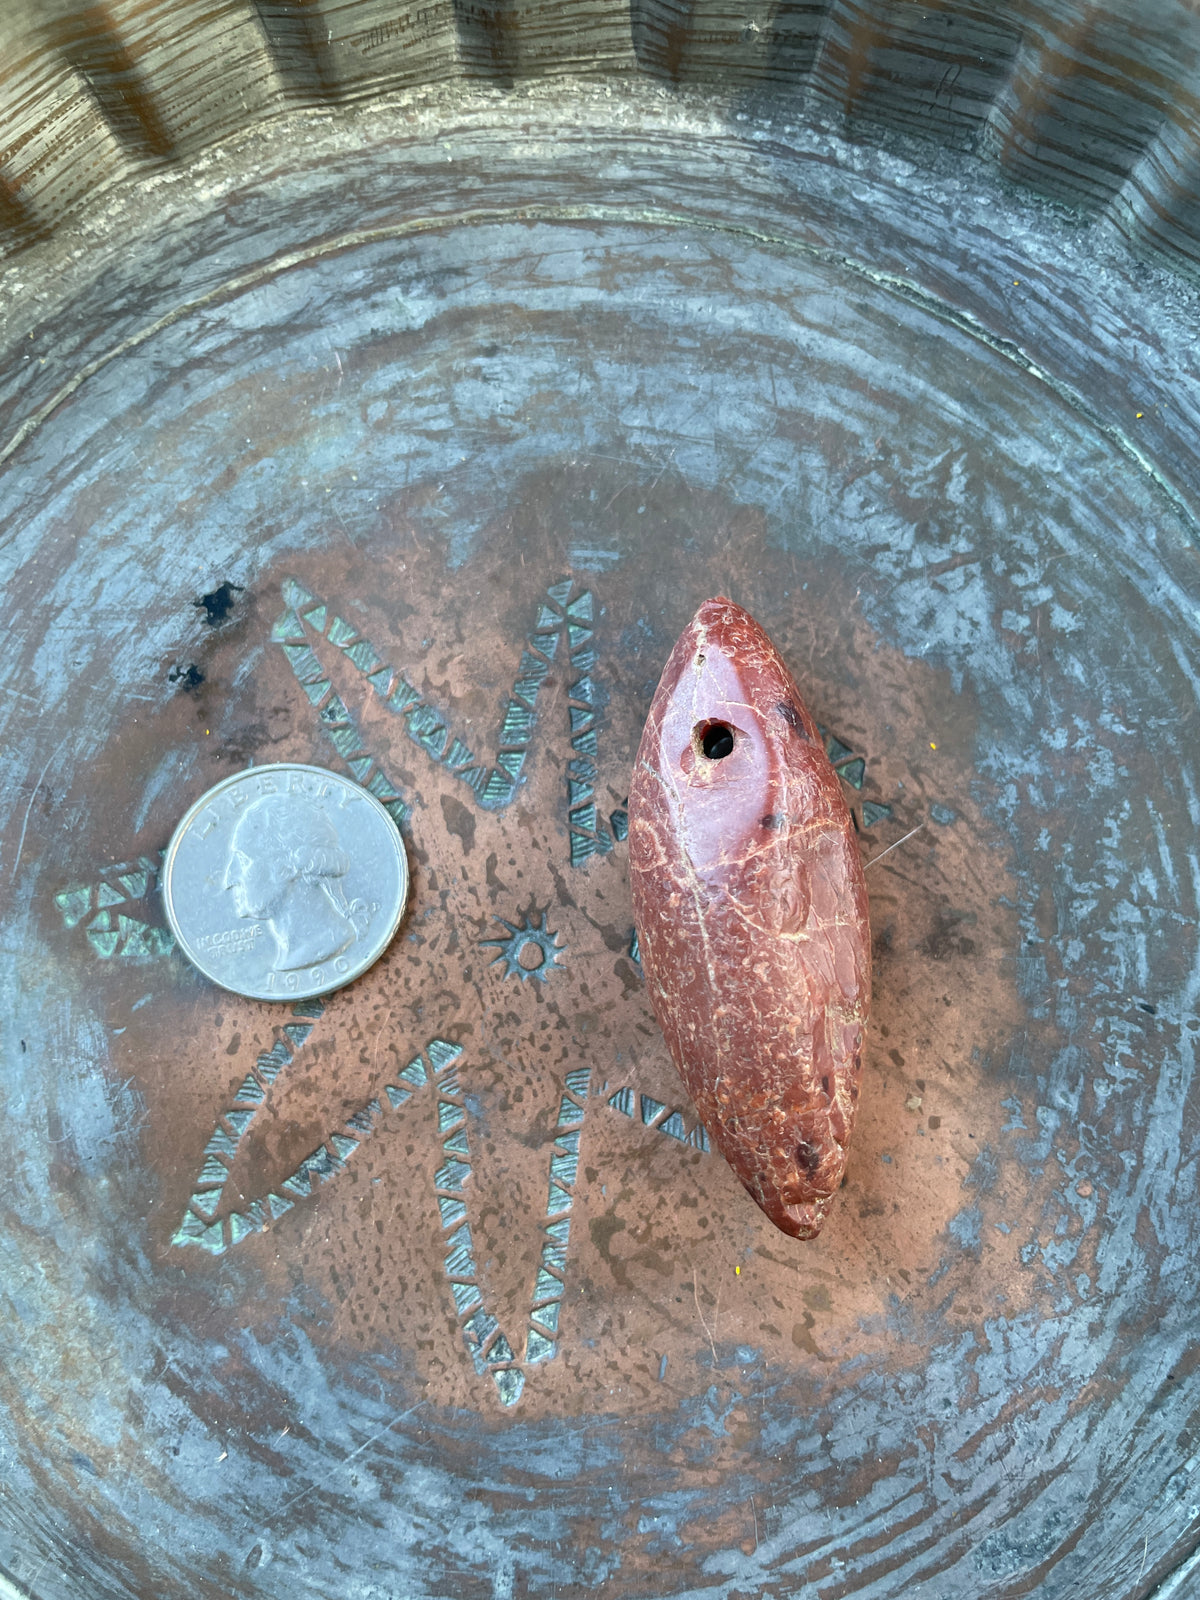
(285, 882)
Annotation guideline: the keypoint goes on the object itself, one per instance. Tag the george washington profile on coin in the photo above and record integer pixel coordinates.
(285, 881)
(286, 868)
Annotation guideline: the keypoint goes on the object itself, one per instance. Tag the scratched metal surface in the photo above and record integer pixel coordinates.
(415, 470)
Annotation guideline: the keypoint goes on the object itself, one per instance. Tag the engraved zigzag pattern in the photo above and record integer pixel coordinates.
(486, 1342)
(654, 1114)
(426, 725)
(203, 1226)
(550, 1283)
(587, 832)
(565, 619)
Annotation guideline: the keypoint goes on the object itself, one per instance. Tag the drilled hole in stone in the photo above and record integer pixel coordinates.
(716, 739)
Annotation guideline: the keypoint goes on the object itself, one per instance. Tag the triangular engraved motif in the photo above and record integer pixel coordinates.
(288, 629)
(295, 594)
(428, 727)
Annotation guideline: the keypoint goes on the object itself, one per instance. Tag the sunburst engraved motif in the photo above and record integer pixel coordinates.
(530, 949)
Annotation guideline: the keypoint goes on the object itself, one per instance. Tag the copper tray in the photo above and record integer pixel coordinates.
(404, 441)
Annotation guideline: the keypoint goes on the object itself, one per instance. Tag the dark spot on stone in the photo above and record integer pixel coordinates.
(894, 1055)
(255, 1557)
(188, 678)
(459, 821)
(490, 352)
(1144, 1005)
(792, 717)
(808, 1156)
(218, 603)
(825, 1084)
(934, 1124)
(774, 819)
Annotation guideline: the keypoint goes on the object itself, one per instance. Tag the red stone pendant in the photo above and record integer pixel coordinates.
(751, 913)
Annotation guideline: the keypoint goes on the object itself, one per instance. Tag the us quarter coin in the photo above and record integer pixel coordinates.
(285, 882)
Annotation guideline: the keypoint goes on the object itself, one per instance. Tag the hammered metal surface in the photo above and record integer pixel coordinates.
(1092, 102)
(470, 448)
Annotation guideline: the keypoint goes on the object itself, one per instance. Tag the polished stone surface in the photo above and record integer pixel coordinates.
(751, 910)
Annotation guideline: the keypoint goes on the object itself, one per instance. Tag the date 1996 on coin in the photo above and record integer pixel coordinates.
(285, 881)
